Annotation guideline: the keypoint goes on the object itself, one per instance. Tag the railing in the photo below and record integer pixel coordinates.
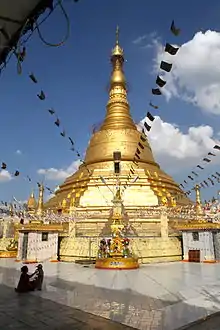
(173, 213)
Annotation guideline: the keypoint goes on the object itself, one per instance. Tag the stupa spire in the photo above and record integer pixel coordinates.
(117, 35)
(118, 114)
(199, 209)
(40, 204)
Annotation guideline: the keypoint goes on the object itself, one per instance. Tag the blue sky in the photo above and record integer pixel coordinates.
(75, 77)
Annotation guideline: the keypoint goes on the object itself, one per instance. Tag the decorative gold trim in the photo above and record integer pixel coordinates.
(117, 263)
(196, 226)
(40, 227)
(8, 254)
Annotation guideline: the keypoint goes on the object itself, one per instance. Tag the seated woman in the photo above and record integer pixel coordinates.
(24, 284)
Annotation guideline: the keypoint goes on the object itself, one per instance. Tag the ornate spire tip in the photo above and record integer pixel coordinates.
(117, 35)
(117, 50)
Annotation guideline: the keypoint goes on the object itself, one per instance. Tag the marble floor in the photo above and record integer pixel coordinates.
(154, 297)
(29, 311)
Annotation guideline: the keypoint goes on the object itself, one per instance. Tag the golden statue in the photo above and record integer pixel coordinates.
(164, 201)
(173, 201)
(13, 245)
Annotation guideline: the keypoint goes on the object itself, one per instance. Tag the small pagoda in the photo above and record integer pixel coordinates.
(200, 236)
(115, 252)
(37, 240)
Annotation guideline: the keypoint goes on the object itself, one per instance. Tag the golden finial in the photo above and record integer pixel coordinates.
(117, 35)
(117, 50)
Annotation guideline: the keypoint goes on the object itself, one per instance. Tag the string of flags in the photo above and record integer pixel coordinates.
(4, 167)
(211, 180)
(18, 206)
(17, 173)
(57, 122)
(20, 53)
(194, 174)
(160, 82)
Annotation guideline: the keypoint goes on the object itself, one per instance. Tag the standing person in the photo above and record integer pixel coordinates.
(40, 277)
(24, 284)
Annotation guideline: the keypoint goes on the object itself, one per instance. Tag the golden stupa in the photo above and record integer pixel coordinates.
(88, 193)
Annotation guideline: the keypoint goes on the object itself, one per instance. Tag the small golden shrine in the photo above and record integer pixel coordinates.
(31, 204)
(114, 252)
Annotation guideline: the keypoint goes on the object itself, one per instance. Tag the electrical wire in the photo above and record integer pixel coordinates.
(39, 24)
(67, 32)
(25, 40)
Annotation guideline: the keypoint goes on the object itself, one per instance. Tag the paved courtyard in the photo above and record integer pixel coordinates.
(155, 297)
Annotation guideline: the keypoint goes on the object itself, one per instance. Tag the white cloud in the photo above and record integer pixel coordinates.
(140, 39)
(59, 174)
(196, 71)
(146, 40)
(18, 152)
(5, 176)
(173, 148)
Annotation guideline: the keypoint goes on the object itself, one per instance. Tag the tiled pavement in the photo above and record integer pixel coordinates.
(155, 297)
(28, 311)
(210, 323)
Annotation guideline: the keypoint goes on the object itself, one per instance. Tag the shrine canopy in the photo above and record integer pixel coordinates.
(17, 18)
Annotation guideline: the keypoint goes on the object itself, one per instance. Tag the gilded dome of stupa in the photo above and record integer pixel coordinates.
(118, 132)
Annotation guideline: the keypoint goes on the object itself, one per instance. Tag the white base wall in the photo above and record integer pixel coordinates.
(204, 244)
(37, 249)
